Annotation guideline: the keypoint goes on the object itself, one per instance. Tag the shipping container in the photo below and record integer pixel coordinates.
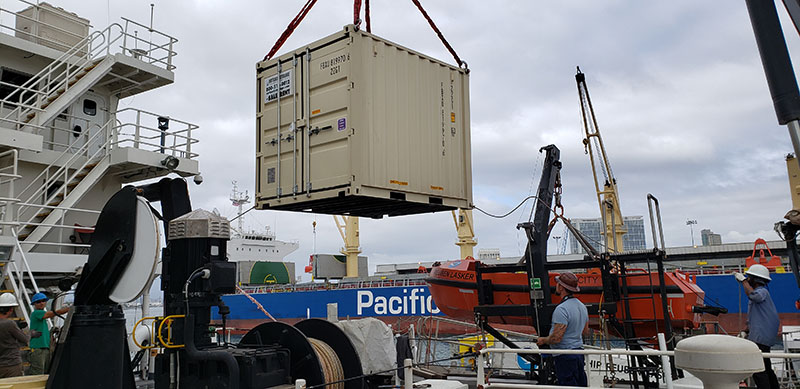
(332, 266)
(365, 128)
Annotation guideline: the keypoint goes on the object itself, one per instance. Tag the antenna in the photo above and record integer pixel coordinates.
(238, 199)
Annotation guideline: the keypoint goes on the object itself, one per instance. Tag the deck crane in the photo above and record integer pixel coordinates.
(607, 194)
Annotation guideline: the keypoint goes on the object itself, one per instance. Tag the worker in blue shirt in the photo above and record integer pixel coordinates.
(762, 319)
(570, 321)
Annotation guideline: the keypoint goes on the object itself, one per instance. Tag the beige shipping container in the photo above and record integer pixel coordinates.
(365, 127)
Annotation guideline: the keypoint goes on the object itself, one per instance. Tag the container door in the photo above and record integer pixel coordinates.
(327, 156)
(89, 115)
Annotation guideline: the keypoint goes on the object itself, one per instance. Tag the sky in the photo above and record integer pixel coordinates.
(678, 90)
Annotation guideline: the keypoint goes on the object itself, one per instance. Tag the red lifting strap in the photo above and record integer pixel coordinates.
(439, 33)
(290, 28)
(356, 13)
(366, 15)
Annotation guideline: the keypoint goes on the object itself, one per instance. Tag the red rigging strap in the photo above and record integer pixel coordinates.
(356, 13)
(439, 33)
(290, 28)
(366, 15)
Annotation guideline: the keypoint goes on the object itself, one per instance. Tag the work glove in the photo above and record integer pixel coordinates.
(35, 334)
(739, 277)
(22, 324)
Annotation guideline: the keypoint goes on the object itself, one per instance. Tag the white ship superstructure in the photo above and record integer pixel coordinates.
(66, 146)
(255, 245)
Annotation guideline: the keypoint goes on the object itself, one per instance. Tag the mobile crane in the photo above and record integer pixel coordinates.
(607, 194)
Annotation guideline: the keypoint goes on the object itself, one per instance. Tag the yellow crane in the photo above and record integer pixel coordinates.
(605, 184)
(466, 233)
(348, 229)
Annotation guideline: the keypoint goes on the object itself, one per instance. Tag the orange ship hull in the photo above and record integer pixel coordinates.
(454, 290)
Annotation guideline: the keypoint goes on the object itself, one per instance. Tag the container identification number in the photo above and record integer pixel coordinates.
(334, 64)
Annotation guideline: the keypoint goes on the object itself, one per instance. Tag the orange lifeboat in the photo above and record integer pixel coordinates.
(453, 287)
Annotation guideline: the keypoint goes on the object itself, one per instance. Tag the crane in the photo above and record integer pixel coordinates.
(607, 194)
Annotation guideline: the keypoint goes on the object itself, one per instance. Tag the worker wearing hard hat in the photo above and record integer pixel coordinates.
(570, 321)
(762, 319)
(40, 334)
(12, 339)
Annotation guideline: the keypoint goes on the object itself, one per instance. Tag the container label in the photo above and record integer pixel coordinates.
(271, 86)
(341, 124)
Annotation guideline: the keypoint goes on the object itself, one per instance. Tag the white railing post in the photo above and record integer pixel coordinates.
(666, 367)
(300, 384)
(481, 379)
(408, 374)
(136, 130)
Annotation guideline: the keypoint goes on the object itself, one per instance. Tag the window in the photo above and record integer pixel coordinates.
(9, 92)
(89, 107)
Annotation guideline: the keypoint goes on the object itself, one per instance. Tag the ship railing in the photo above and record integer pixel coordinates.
(483, 380)
(146, 131)
(9, 173)
(363, 284)
(156, 49)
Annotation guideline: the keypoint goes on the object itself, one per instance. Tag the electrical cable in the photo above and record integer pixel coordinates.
(507, 214)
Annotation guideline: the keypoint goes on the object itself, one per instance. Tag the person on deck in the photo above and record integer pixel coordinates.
(12, 339)
(762, 319)
(570, 321)
(40, 345)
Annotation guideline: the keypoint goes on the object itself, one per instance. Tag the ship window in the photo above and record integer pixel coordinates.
(14, 78)
(89, 107)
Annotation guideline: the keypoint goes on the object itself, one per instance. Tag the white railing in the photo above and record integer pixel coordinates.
(482, 378)
(279, 288)
(141, 131)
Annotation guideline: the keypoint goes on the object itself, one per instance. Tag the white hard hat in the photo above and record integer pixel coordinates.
(8, 300)
(756, 270)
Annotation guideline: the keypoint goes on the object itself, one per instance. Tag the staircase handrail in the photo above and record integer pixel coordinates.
(78, 56)
(26, 269)
(68, 164)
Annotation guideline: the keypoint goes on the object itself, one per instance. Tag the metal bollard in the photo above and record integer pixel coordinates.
(300, 384)
(408, 374)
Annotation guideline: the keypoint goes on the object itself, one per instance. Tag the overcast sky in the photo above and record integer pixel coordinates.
(678, 90)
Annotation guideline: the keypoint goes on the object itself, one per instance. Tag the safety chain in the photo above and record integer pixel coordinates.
(559, 208)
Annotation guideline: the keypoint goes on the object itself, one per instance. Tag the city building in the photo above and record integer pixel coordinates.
(710, 238)
(634, 239)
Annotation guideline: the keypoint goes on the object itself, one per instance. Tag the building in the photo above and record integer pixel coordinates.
(634, 239)
(710, 238)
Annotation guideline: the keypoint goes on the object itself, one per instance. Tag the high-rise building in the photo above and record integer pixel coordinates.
(634, 239)
(710, 238)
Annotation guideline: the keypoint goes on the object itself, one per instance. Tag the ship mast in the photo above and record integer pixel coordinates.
(238, 199)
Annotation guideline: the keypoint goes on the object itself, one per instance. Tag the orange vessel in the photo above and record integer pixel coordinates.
(453, 287)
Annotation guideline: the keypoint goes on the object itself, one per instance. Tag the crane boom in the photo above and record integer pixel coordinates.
(606, 186)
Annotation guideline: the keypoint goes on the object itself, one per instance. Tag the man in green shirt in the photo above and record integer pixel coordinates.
(40, 345)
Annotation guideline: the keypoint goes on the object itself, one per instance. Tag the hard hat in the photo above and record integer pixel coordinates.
(8, 300)
(38, 297)
(759, 271)
(569, 281)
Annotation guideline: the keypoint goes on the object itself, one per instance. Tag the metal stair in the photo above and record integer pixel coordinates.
(65, 182)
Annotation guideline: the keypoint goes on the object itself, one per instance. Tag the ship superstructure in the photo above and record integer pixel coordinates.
(66, 143)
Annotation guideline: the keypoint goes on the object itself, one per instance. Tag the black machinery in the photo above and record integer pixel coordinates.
(92, 351)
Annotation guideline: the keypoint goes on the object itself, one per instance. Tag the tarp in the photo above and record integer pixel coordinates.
(373, 341)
